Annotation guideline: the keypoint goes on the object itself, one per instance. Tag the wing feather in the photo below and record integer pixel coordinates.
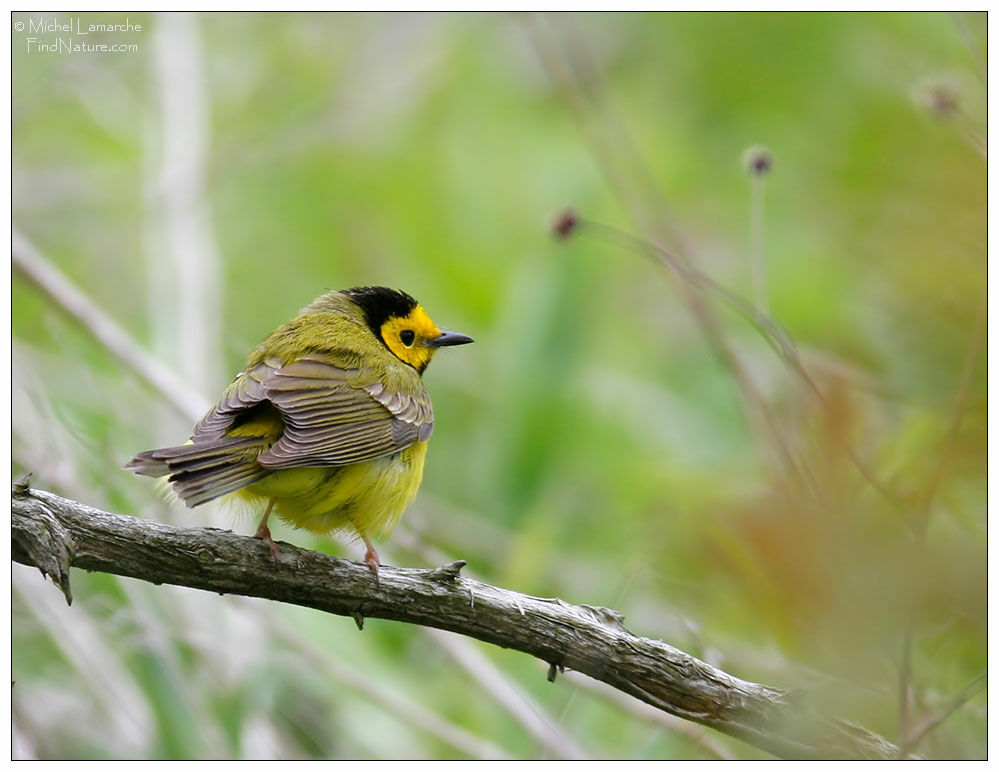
(331, 416)
(246, 391)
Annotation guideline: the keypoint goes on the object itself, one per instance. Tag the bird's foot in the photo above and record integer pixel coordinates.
(372, 559)
(263, 532)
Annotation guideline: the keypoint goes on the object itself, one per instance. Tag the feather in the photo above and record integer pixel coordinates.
(201, 472)
(310, 412)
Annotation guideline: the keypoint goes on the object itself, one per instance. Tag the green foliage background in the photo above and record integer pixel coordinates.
(589, 445)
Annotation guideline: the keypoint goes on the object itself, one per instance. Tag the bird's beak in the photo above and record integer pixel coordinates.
(447, 338)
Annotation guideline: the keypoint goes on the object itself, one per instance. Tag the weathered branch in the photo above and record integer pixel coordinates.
(70, 298)
(53, 534)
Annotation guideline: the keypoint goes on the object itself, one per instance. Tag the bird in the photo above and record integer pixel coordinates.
(327, 424)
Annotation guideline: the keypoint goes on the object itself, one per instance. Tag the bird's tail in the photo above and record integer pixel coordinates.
(200, 472)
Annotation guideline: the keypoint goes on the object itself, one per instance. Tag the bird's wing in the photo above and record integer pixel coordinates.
(332, 415)
(246, 391)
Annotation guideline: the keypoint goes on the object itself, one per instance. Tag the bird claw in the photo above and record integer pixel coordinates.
(372, 560)
(264, 533)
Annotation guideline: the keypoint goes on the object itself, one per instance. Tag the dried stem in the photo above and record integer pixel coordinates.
(757, 194)
(415, 714)
(933, 722)
(924, 510)
(974, 47)
(971, 354)
(34, 267)
(183, 244)
(620, 163)
(542, 727)
(696, 735)
(771, 331)
(535, 720)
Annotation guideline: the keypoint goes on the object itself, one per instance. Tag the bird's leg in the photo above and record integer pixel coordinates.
(371, 557)
(263, 532)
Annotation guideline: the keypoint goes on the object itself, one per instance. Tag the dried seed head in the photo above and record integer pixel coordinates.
(939, 96)
(565, 223)
(757, 160)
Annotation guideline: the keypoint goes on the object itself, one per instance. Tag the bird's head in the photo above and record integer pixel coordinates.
(402, 325)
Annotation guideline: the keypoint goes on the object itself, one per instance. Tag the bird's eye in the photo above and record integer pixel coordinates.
(407, 337)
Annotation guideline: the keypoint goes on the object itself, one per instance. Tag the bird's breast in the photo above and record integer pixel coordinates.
(367, 497)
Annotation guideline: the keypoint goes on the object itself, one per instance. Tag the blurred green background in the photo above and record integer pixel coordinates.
(204, 185)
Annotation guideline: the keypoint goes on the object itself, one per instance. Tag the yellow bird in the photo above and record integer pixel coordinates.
(327, 426)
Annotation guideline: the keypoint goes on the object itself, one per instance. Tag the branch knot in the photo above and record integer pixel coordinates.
(448, 573)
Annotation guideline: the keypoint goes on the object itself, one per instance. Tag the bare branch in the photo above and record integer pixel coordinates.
(189, 403)
(588, 639)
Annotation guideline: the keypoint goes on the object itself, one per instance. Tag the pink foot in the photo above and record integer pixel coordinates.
(371, 558)
(263, 532)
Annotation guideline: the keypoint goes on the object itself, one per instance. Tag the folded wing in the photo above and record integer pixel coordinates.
(332, 415)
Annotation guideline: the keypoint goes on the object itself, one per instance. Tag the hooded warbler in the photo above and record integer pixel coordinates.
(326, 426)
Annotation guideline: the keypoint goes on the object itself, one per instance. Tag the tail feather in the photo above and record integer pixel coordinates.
(201, 472)
(210, 484)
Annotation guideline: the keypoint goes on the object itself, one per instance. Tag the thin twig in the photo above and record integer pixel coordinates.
(591, 116)
(975, 141)
(771, 331)
(44, 275)
(960, 404)
(116, 697)
(974, 48)
(521, 707)
(923, 513)
(905, 685)
(933, 722)
(542, 727)
(620, 163)
(696, 735)
(417, 715)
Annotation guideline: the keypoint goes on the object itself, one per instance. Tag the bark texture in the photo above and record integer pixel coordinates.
(54, 534)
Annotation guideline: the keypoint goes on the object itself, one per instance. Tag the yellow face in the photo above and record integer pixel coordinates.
(408, 337)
